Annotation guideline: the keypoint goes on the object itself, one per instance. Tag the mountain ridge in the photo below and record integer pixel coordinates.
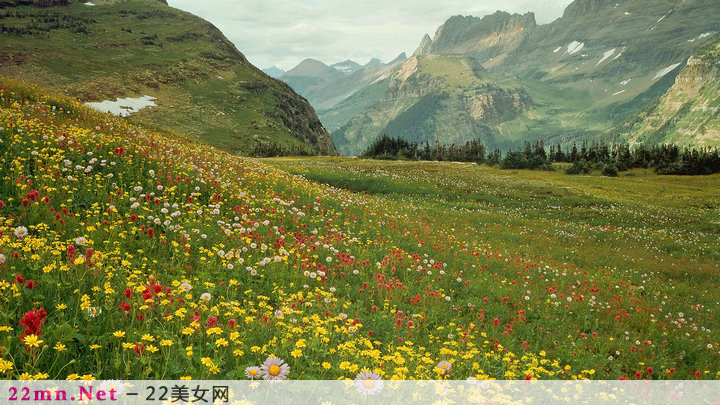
(584, 73)
(688, 113)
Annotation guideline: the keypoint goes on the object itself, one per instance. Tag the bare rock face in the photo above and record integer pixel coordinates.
(579, 8)
(424, 46)
(687, 113)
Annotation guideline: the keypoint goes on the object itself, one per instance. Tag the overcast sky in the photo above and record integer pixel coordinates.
(284, 32)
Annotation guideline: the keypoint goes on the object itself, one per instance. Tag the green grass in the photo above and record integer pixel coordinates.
(204, 87)
(387, 266)
(639, 219)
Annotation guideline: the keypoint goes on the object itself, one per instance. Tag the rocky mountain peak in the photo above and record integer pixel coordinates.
(399, 58)
(580, 8)
(424, 46)
(461, 33)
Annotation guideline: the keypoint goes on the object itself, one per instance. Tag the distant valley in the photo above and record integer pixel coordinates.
(505, 80)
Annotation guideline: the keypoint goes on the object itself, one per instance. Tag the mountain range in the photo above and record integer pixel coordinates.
(505, 79)
(201, 85)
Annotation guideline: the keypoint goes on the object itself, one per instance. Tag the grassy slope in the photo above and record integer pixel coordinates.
(505, 274)
(637, 220)
(204, 86)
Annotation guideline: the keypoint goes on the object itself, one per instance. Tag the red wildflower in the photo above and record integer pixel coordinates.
(125, 306)
(139, 348)
(32, 321)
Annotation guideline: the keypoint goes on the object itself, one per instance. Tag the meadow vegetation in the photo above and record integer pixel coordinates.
(127, 252)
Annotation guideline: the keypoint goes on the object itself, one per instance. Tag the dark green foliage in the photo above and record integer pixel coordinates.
(610, 170)
(42, 22)
(665, 159)
(386, 147)
(611, 159)
(533, 158)
(579, 167)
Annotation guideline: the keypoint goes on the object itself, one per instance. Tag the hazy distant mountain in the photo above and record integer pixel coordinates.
(399, 58)
(327, 86)
(504, 79)
(374, 62)
(273, 71)
(347, 66)
(309, 75)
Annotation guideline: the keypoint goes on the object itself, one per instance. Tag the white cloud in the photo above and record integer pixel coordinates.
(284, 32)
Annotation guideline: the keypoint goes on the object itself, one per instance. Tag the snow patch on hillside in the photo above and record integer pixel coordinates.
(624, 82)
(665, 71)
(705, 35)
(124, 106)
(574, 47)
(663, 17)
(619, 92)
(606, 55)
(557, 49)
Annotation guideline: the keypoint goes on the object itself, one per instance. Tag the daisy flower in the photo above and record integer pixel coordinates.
(185, 287)
(274, 369)
(368, 383)
(94, 311)
(20, 232)
(252, 372)
(80, 241)
(205, 297)
(110, 385)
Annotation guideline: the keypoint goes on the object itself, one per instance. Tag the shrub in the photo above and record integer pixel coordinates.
(610, 170)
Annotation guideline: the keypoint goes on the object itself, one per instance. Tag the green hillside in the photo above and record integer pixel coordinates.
(203, 85)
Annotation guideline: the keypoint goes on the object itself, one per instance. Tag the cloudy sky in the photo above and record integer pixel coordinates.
(284, 32)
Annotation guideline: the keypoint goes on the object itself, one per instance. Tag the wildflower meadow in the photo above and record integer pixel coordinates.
(135, 253)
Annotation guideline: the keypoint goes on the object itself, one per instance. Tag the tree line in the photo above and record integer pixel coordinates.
(608, 158)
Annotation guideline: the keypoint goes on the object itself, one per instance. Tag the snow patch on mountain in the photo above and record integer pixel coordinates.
(606, 55)
(124, 106)
(574, 47)
(665, 71)
(663, 17)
